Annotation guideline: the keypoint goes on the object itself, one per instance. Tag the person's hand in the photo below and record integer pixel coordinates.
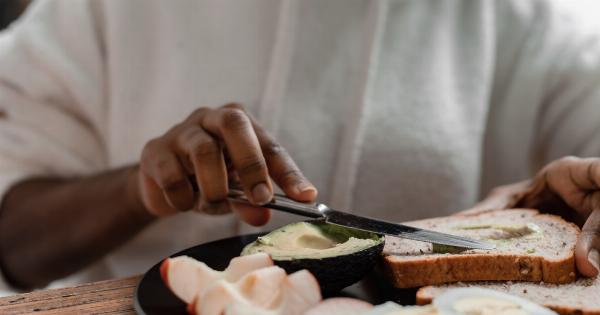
(569, 187)
(216, 147)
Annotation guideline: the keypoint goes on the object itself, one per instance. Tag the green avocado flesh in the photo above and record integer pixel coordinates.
(304, 240)
(337, 256)
(496, 233)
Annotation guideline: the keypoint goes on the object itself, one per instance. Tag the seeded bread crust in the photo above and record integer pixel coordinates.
(581, 297)
(409, 270)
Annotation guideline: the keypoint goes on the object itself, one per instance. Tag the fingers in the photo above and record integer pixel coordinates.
(281, 166)
(284, 170)
(587, 257)
(255, 216)
(501, 197)
(234, 128)
(161, 165)
(215, 147)
(205, 155)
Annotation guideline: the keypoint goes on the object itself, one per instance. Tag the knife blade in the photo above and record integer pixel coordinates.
(319, 210)
(403, 231)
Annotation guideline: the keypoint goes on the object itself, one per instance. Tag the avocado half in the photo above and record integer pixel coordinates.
(337, 256)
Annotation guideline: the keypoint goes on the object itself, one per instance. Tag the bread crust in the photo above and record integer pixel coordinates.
(410, 272)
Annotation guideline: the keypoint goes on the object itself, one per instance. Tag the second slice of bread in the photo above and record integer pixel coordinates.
(547, 255)
(580, 297)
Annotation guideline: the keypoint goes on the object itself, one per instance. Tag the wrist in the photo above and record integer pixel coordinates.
(134, 196)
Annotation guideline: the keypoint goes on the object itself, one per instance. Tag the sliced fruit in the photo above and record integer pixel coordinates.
(187, 277)
(340, 306)
(301, 292)
(256, 294)
(261, 287)
(240, 266)
(337, 256)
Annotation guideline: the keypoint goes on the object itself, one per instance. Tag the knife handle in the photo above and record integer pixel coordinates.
(279, 202)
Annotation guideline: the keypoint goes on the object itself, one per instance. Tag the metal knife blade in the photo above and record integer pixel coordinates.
(401, 230)
(319, 210)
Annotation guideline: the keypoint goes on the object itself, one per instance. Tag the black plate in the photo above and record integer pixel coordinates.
(152, 297)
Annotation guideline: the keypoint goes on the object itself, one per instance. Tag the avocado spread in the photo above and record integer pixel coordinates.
(498, 233)
(505, 231)
(306, 240)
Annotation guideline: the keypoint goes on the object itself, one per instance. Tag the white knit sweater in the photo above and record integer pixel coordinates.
(394, 109)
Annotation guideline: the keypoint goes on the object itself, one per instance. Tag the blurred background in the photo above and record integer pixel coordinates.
(11, 9)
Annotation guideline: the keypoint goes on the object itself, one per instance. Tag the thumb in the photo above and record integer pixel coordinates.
(255, 216)
(501, 197)
(587, 257)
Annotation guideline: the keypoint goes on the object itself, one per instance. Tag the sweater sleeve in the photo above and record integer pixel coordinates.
(51, 94)
(569, 115)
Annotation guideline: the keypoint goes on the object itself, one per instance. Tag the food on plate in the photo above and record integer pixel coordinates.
(476, 301)
(251, 285)
(337, 256)
(264, 291)
(340, 306)
(530, 247)
(581, 297)
(185, 276)
(466, 302)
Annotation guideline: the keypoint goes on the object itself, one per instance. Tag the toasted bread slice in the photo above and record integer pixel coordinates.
(530, 247)
(580, 297)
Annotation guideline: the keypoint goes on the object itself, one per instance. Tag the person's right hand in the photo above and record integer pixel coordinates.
(217, 146)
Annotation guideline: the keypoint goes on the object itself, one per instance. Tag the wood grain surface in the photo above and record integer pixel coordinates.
(104, 297)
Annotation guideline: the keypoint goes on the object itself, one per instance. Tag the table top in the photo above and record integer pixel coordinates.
(113, 297)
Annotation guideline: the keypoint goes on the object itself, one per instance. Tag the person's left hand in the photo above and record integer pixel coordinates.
(569, 187)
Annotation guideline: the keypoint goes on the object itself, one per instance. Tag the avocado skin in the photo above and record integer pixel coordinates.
(338, 272)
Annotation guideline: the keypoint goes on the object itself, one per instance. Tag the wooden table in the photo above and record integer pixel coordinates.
(105, 297)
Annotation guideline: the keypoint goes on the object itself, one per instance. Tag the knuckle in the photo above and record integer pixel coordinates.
(567, 161)
(167, 176)
(251, 166)
(150, 148)
(273, 148)
(204, 148)
(199, 112)
(234, 119)
(291, 177)
(234, 105)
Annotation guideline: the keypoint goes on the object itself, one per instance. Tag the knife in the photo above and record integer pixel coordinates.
(319, 210)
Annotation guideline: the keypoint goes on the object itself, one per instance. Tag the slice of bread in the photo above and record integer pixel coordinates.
(580, 297)
(530, 247)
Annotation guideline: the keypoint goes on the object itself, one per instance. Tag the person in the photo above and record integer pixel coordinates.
(393, 109)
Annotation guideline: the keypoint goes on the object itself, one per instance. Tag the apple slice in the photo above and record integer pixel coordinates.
(262, 292)
(340, 306)
(187, 277)
(302, 293)
(259, 288)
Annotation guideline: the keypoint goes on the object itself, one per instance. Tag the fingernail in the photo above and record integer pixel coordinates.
(594, 258)
(304, 187)
(261, 194)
